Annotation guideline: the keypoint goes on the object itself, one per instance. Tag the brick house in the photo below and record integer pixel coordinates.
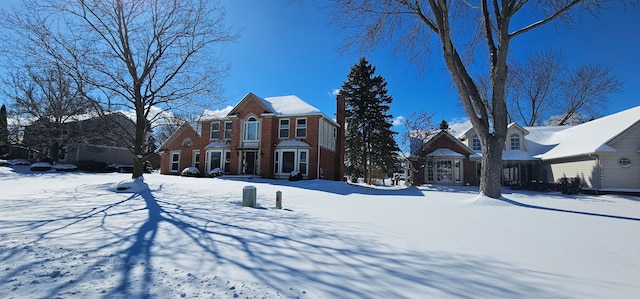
(444, 160)
(267, 137)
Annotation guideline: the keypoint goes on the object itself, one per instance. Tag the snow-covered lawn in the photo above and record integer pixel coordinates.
(70, 235)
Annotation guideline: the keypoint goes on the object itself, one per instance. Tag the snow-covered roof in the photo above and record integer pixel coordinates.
(208, 115)
(516, 155)
(292, 143)
(289, 105)
(444, 152)
(590, 137)
(552, 142)
(218, 144)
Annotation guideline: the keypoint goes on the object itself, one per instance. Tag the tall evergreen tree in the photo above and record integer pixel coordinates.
(370, 146)
(4, 133)
(444, 125)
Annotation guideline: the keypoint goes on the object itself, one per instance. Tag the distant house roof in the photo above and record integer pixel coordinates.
(184, 126)
(590, 137)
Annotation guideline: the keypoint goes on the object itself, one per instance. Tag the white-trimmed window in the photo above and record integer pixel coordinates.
(174, 161)
(289, 160)
(251, 129)
(624, 162)
(475, 143)
(302, 162)
(227, 129)
(283, 129)
(515, 141)
(215, 130)
(214, 160)
(218, 159)
(301, 128)
(196, 159)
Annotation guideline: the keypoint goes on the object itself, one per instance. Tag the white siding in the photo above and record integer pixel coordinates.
(586, 169)
(327, 135)
(627, 145)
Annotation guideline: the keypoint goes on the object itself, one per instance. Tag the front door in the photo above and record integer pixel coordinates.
(250, 165)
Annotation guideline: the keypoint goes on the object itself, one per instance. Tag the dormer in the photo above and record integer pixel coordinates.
(515, 138)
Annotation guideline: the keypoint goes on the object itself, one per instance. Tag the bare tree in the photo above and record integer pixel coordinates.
(47, 98)
(585, 90)
(418, 128)
(544, 91)
(534, 86)
(127, 55)
(456, 25)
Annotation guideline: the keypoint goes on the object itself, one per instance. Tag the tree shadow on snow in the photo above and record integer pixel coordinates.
(334, 187)
(524, 205)
(286, 251)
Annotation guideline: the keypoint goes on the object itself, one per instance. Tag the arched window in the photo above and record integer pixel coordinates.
(515, 141)
(251, 129)
(187, 142)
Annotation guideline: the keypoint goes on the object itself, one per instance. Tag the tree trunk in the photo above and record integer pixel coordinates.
(491, 168)
(139, 141)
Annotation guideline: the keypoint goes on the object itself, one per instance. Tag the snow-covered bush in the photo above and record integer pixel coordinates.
(295, 176)
(19, 162)
(136, 185)
(215, 173)
(65, 167)
(40, 166)
(570, 185)
(190, 171)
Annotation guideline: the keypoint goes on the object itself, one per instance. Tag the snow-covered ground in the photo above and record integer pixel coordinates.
(70, 235)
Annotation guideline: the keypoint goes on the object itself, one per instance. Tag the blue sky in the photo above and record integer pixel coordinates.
(288, 47)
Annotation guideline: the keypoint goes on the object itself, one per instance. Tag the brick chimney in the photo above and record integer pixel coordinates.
(341, 115)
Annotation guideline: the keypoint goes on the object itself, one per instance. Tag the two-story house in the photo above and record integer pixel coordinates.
(90, 139)
(267, 137)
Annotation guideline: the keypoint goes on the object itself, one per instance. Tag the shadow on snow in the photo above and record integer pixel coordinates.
(279, 249)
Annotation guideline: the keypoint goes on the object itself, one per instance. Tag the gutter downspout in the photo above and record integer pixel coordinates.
(319, 134)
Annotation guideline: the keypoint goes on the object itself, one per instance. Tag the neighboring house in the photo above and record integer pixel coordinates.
(97, 139)
(445, 160)
(268, 137)
(604, 153)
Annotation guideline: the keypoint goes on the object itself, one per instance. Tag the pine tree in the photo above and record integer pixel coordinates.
(4, 133)
(444, 125)
(370, 146)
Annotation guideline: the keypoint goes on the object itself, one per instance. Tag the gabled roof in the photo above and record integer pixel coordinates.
(590, 137)
(283, 106)
(175, 135)
(445, 134)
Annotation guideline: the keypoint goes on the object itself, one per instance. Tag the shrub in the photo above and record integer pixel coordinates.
(215, 173)
(295, 176)
(190, 171)
(570, 185)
